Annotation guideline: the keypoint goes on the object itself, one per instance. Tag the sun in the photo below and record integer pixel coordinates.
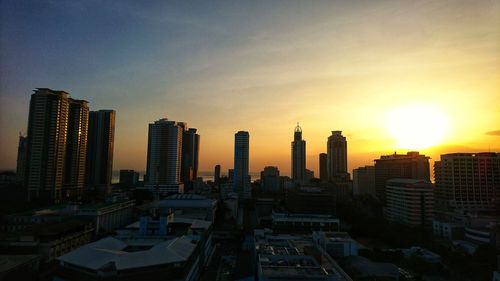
(417, 126)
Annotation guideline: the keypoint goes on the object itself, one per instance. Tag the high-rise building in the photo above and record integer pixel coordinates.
(76, 150)
(241, 178)
(270, 179)
(363, 181)
(164, 157)
(407, 166)
(190, 152)
(337, 157)
(22, 150)
(468, 182)
(410, 202)
(217, 174)
(323, 171)
(298, 156)
(47, 135)
(101, 136)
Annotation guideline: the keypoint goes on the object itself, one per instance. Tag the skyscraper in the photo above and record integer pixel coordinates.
(468, 182)
(407, 166)
(217, 174)
(47, 134)
(323, 170)
(190, 152)
(22, 150)
(101, 136)
(241, 179)
(363, 181)
(76, 150)
(298, 156)
(164, 157)
(337, 157)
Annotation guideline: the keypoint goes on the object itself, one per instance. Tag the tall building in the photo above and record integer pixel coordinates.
(298, 156)
(411, 165)
(410, 202)
(101, 137)
(47, 135)
(363, 181)
(241, 178)
(217, 174)
(164, 157)
(76, 150)
(468, 182)
(337, 157)
(22, 150)
(190, 152)
(323, 171)
(270, 179)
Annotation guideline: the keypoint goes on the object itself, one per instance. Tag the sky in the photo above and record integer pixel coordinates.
(262, 66)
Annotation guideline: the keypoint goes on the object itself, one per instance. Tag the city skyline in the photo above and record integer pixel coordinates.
(172, 65)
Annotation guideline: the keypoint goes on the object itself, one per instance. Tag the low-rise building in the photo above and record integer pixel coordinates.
(293, 257)
(187, 205)
(108, 216)
(336, 244)
(304, 222)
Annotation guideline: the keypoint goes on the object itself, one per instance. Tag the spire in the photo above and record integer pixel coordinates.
(298, 129)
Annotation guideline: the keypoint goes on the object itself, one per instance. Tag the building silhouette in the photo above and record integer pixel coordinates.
(164, 157)
(101, 136)
(270, 179)
(407, 166)
(337, 157)
(241, 178)
(468, 182)
(298, 156)
(323, 170)
(22, 152)
(76, 150)
(46, 145)
(363, 181)
(190, 154)
(217, 174)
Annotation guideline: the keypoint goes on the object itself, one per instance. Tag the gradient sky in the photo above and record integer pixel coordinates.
(259, 66)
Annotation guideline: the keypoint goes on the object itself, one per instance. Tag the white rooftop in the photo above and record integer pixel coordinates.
(110, 250)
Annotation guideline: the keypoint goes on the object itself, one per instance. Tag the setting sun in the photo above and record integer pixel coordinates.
(417, 126)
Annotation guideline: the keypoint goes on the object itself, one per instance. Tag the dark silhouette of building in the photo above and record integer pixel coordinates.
(298, 156)
(217, 174)
(190, 153)
(310, 200)
(129, 178)
(47, 135)
(406, 166)
(270, 179)
(337, 157)
(241, 179)
(101, 137)
(22, 151)
(76, 150)
(323, 170)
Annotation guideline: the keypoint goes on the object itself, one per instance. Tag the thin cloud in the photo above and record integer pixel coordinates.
(493, 133)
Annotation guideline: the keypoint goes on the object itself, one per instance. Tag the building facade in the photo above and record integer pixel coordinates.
(298, 156)
(410, 202)
(190, 154)
(411, 165)
(101, 138)
(164, 157)
(468, 182)
(270, 179)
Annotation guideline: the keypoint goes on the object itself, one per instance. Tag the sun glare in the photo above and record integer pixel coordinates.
(417, 126)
